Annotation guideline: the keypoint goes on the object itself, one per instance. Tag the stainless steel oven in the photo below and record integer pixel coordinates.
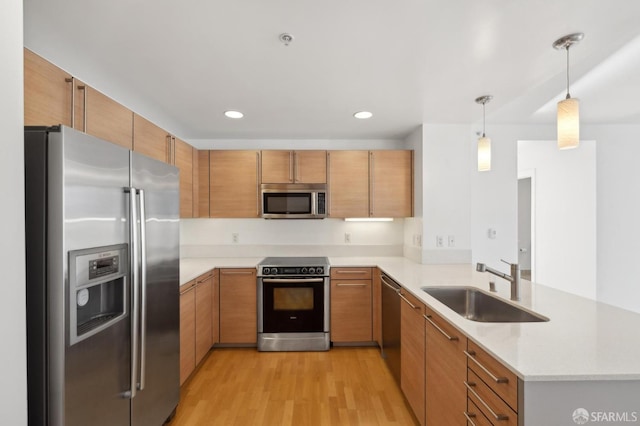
(293, 304)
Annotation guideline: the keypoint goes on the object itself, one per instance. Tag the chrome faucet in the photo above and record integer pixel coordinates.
(514, 278)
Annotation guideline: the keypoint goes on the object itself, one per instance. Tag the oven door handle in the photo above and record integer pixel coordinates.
(292, 280)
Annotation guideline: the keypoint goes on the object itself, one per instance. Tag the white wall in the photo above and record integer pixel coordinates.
(618, 213)
(494, 194)
(13, 392)
(565, 214)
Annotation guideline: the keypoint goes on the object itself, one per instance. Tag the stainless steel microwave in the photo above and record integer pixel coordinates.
(293, 201)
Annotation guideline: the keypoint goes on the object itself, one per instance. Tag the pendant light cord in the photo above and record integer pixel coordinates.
(568, 95)
(483, 119)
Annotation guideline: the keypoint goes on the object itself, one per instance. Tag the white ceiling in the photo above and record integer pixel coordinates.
(183, 63)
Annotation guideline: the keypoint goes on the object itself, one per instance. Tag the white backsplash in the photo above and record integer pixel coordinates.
(260, 237)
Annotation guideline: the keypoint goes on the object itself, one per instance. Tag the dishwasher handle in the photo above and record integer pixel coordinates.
(390, 283)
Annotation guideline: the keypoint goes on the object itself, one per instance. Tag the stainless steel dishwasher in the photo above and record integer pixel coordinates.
(391, 325)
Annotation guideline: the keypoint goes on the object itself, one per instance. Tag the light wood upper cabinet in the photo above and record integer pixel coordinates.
(195, 173)
(412, 354)
(233, 184)
(294, 166)
(151, 140)
(184, 162)
(48, 92)
(101, 116)
(238, 306)
(203, 183)
(391, 183)
(348, 183)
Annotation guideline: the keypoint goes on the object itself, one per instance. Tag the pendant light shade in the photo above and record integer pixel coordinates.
(484, 154)
(568, 110)
(568, 123)
(484, 143)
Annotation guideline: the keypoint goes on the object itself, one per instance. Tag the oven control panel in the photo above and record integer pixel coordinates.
(293, 271)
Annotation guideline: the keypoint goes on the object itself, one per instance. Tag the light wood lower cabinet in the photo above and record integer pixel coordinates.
(412, 353)
(238, 306)
(187, 331)
(446, 371)
(376, 300)
(215, 304)
(491, 387)
(196, 334)
(204, 311)
(351, 306)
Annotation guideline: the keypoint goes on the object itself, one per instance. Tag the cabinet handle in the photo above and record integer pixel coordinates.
(187, 290)
(372, 183)
(470, 355)
(450, 338)
(258, 195)
(84, 107)
(329, 183)
(73, 100)
(341, 271)
(498, 417)
(203, 280)
(352, 285)
(469, 416)
(290, 166)
(236, 272)
(408, 301)
(390, 285)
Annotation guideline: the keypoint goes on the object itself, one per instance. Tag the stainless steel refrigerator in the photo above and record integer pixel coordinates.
(102, 244)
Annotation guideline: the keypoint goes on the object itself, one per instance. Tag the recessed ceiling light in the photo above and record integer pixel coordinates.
(363, 115)
(233, 114)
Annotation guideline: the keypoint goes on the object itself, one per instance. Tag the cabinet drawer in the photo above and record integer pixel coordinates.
(491, 405)
(476, 416)
(351, 273)
(492, 372)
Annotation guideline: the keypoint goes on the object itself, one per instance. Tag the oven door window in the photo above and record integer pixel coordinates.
(287, 203)
(293, 308)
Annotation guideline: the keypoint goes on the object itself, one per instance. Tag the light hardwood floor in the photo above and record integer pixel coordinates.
(344, 386)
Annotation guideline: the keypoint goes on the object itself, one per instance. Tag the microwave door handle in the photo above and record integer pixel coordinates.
(314, 201)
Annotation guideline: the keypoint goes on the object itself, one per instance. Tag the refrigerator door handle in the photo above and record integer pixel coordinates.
(143, 288)
(133, 248)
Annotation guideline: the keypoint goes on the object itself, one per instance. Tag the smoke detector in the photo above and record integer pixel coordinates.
(286, 38)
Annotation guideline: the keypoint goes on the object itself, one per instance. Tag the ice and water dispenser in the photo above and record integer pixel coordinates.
(97, 290)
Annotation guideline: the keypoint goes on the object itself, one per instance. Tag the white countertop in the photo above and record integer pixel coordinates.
(584, 339)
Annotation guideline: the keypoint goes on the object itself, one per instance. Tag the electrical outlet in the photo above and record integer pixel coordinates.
(347, 237)
(235, 237)
(451, 241)
(439, 241)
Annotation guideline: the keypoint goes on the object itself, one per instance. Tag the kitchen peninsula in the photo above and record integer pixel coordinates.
(584, 357)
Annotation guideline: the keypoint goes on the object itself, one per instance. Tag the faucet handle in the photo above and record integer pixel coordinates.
(508, 263)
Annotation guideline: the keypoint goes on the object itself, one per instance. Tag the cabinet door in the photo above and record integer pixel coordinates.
(102, 117)
(215, 304)
(203, 183)
(391, 183)
(310, 166)
(277, 166)
(187, 332)
(184, 162)
(377, 306)
(348, 183)
(412, 354)
(151, 140)
(48, 92)
(446, 371)
(204, 336)
(351, 310)
(195, 173)
(238, 306)
(233, 184)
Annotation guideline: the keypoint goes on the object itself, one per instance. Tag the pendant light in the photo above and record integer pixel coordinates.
(568, 109)
(484, 143)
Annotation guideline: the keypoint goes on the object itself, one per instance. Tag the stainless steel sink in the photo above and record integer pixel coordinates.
(476, 305)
